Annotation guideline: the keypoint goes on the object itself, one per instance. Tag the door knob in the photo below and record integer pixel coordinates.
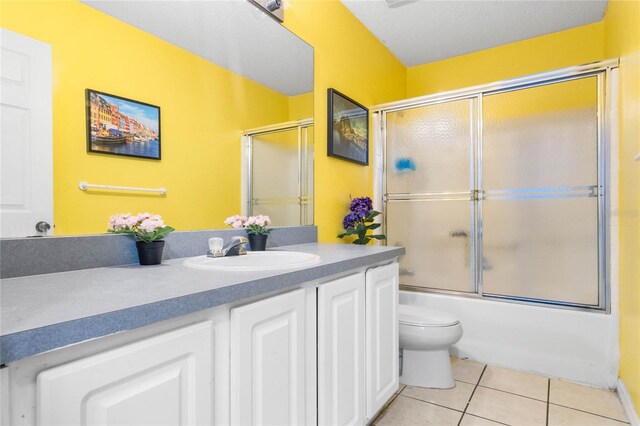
(42, 226)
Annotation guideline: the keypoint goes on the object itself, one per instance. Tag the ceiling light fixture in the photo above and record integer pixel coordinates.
(273, 5)
(273, 8)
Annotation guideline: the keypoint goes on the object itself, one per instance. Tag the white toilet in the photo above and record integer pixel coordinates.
(425, 337)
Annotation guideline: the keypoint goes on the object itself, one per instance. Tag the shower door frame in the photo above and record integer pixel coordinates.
(603, 71)
(304, 201)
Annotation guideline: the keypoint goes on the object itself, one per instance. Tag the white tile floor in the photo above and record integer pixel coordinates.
(488, 395)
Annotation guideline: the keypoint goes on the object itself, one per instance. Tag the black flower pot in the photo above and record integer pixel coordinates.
(258, 242)
(150, 253)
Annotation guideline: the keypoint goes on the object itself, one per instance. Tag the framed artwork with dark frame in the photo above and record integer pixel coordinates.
(348, 130)
(121, 126)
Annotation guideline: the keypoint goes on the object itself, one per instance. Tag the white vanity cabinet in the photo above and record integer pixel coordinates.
(382, 344)
(325, 352)
(268, 358)
(341, 332)
(162, 380)
(357, 345)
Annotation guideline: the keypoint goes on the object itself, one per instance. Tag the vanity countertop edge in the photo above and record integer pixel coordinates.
(40, 313)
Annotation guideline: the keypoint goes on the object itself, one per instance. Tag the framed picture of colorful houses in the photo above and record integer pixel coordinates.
(121, 126)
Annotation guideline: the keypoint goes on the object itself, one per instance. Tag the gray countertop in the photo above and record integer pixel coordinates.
(44, 312)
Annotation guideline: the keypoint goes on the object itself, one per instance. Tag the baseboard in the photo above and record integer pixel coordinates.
(627, 404)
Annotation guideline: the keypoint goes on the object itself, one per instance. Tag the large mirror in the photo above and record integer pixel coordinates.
(218, 71)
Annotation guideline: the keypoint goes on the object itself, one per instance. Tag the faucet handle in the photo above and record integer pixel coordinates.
(215, 247)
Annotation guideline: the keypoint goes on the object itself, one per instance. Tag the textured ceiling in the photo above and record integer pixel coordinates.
(421, 31)
(231, 33)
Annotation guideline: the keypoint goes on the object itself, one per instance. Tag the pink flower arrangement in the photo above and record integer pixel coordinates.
(145, 227)
(255, 225)
(236, 221)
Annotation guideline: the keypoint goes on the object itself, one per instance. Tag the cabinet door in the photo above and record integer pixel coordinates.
(268, 361)
(381, 336)
(341, 351)
(163, 380)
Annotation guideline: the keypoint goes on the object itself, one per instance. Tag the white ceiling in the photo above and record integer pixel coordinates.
(421, 31)
(231, 33)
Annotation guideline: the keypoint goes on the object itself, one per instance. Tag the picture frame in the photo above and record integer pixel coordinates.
(122, 126)
(348, 128)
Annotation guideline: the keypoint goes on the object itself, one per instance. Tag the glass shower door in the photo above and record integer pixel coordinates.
(429, 183)
(539, 207)
(282, 175)
(502, 193)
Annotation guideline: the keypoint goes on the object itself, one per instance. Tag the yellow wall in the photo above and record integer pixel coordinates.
(618, 35)
(203, 110)
(347, 57)
(549, 52)
(301, 106)
(622, 39)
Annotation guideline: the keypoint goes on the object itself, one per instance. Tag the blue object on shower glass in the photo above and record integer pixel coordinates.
(405, 165)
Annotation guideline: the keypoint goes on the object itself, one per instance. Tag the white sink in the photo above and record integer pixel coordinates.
(254, 261)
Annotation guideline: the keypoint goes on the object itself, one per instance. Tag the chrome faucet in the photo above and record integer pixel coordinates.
(236, 247)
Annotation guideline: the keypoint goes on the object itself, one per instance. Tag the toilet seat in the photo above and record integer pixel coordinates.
(425, 317)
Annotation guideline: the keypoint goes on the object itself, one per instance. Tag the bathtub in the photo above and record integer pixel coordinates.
(567, 344)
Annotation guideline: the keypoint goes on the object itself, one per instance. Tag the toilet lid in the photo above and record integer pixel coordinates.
(421, 316)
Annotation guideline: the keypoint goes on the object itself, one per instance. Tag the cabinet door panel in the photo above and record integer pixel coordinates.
(268, 361)
(341, 351)
(163, 380)
(381, 336)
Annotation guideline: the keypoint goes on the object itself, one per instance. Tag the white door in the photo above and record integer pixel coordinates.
(268, 361)
(381, 336)
(164, 380)
(26, 180)
(341, 316)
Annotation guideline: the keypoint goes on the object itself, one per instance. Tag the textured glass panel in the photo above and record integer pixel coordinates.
(275, 187)
(428, 148)
(280, 214)
(541, 137)
(282, 176)
(541, 248)
(275, 165)
(437, 240)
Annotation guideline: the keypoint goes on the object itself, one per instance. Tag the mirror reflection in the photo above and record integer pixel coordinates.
(214, 68)
(285, 192)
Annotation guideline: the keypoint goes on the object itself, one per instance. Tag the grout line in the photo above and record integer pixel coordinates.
(464, 381)
(511, 393)
(548, 398)
(454, 409)
(486, 418)
(589, 412)
(433, 403)
(472, 393)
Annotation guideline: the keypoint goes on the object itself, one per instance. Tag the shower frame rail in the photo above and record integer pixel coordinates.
(602, 70)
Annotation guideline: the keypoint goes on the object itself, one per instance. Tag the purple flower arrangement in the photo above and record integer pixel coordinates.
(359, 221)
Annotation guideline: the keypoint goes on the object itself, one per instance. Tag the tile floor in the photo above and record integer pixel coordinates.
(488, 395)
